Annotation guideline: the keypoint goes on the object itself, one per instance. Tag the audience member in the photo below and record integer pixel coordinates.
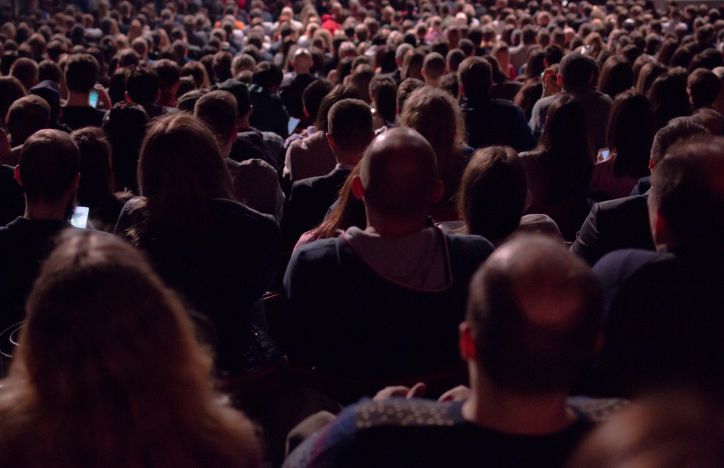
(397, 265)
(26, 116)
(81, 74)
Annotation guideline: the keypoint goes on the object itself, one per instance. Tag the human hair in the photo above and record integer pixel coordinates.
(81, 72)
(703, 86)
(268, 75)
(405, 90)
(567, 154)
(125, 126)
(516, 348)
(686, 192)
(579, 72)
(221, 66)
(142, 85)
(242, 62)
(49, 71)
(648, 74)
(11, 89)
(437, 116)
(668, 97)
(188, 101)
(26, 71)
(475, 77)
(350, 125)
(180, 172)
(168, 73)
(631, 131)
(492, 193)
(383, 91)
(26, 116)
(662, 430)
(433, 66)
(616, 76)
(217, 109)
(105, 337)
(337, 93)
(197, 72)
(678, 129)
(412, 66)
(96, 186)
(49, 162)
(348, 211)
(313, 96)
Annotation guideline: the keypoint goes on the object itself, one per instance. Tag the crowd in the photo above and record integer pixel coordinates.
(223, 221)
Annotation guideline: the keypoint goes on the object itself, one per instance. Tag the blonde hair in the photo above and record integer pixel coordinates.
(108, 371)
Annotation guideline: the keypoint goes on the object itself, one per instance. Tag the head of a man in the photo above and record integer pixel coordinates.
(349, 130)
(81, 73)
(534, 316)
(578, 73)
(398, 178)
(217, 109)
(686, 203)
(475, 78)
(49, 170)
(678, 129)
(26, 116)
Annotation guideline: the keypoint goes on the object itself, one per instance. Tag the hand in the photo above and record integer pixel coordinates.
(400, 391)
(550, 83)
(459, 393)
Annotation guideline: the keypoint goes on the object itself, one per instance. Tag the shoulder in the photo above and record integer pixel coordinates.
(315, 251)
(596, 409)
(401, 412)
(273, 138)
(238, 210)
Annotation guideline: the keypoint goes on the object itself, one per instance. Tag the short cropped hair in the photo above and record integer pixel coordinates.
(217, 109)
(476, 77)
(350, 124)
(49, 161)
(579, 72)
(81, 72)
(704, 87)
(168, 73)
(26, 116)
(434, 65)
(142, 85)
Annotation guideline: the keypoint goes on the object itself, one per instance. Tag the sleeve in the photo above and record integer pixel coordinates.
(588, 243)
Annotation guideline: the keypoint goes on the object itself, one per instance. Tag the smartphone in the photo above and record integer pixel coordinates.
(80, 217)
(292, 124)
(93, 99)
(603, 154)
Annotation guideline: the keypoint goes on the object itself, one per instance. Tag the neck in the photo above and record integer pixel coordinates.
(349, 159)
(76, 98)
(393, 228)
(243, 123)
(512, 413)
(44, 211)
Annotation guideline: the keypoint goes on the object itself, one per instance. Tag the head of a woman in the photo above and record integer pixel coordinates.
(180, 172)
(492, 193)
(108, 367)
(630, 134)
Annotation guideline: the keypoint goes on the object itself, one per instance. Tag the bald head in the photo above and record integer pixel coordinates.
(399, 174)
(535, 311)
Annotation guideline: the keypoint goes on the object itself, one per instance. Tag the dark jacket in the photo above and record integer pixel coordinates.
(496, 122)
(267, 146)
(269, 113)
(347, 319)
(612, 225)
(309, 202)
(12, 202)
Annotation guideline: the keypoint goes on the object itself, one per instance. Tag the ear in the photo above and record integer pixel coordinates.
(358, 189)
(16, 174)
(651, 165)
(127, 97)
(306, 112)
(251, 111)
(330, 140)
(76, 182)
(438, 191)
(466, 342)
(559, 80)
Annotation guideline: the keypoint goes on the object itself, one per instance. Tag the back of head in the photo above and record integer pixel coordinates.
(11, 89)
(492, 194)
(681, 429)
(398, 174)
(168, 73)
(688, 193)
(703, 86)
(313, 95)
(142, 85)
(436, 115)
(217, 110)
(104, 336)
(26, 116)
(96, 175)
(678, 129)
(535, 311)
(630, 134)
(49, 163)
(405, 90)
(268, 76)
(475, 77)
(349, 124)
(240, 92)
(25, 70)
(433, 67)
(187, 102)
(579, 72)
(81, 73)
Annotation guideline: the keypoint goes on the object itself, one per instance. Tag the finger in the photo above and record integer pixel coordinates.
(417, 391)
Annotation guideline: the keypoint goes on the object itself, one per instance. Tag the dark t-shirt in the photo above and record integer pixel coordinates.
(77, 117)
(24, 245)
(419, 433)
